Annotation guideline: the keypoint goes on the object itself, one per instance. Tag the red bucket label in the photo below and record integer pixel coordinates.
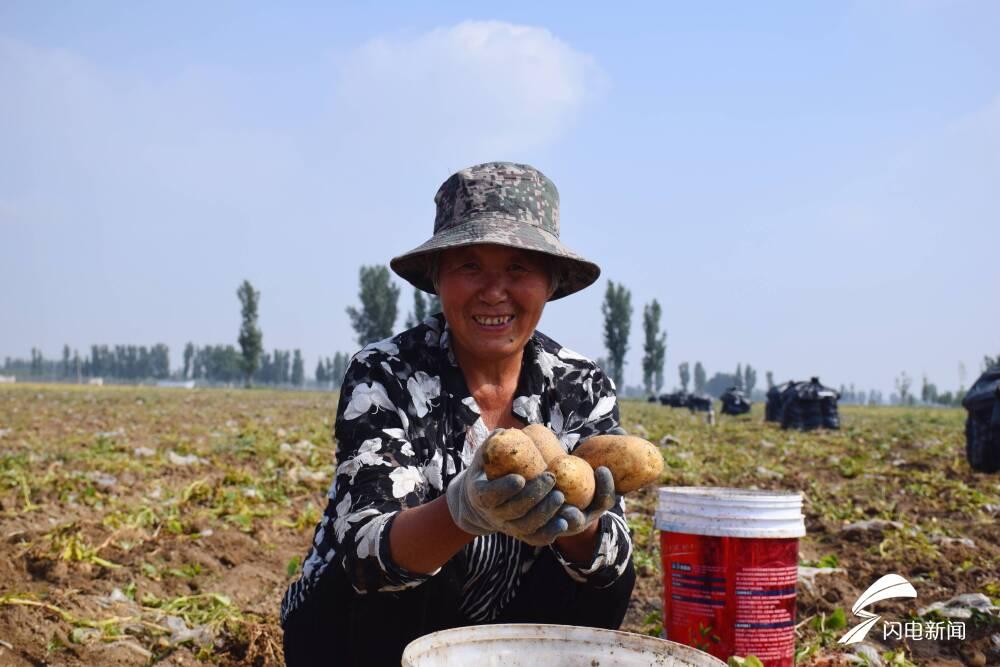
(731, 596)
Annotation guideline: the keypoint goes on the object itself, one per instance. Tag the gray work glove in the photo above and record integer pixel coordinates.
(526, 510)
(604, 499)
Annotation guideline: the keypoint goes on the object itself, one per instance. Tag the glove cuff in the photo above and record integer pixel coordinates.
(460, 507)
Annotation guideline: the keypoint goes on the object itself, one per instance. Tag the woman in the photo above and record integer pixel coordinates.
(415, 538)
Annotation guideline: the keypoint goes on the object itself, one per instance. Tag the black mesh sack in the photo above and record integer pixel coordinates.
(809, 405)
(982, 425)
(772, 409)
(734, 402)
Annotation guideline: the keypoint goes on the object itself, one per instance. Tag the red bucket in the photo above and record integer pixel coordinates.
(730, 560)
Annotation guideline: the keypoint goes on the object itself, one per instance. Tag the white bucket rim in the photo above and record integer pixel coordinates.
(554, 632)
(669, 500)
(729, 494)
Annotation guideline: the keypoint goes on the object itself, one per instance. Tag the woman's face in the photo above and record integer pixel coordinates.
(492, 297)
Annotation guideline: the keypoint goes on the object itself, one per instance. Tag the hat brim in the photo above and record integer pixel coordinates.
(576, 272)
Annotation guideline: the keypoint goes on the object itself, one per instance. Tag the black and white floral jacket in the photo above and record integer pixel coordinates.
(407, 424)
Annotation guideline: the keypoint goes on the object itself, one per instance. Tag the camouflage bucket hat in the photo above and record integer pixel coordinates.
(501, 203)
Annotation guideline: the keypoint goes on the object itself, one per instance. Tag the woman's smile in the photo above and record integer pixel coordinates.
(494, 323)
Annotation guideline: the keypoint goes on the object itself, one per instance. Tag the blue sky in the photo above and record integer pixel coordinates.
(808, 187)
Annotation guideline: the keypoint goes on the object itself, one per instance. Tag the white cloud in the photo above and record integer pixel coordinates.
(249, 173)
(476, 88)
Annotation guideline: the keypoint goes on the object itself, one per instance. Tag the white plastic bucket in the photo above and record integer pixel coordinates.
(730, 564)
(730, 512)
(532, 644)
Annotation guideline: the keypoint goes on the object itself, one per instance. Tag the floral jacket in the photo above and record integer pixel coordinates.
(407, 424)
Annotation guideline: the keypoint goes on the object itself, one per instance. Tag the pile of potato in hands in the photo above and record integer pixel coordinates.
(530, 451)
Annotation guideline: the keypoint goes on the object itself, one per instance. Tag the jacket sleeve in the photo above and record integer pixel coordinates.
(378, 474)
(593, 410)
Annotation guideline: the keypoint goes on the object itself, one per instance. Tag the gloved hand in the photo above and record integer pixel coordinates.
(604, 499)
(526, 510)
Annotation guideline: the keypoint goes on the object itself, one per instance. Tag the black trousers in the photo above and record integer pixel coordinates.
(339, 628)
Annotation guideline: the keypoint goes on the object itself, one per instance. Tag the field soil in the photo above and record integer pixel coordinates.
(161, 526)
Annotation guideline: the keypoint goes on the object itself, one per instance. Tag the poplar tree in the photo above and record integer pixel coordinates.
(250, 336)
(298, 369)
(654, 347)
(749, 379)
(188, 358)
(617, 310)
(700, 378)
(379, 305)
(419, 309)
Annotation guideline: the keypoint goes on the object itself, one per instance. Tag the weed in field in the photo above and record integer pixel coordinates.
(307, 518)
(258, 477)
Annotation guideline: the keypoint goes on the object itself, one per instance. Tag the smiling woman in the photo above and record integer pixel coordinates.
(415, 538)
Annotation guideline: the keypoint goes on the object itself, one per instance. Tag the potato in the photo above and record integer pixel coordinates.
(633, 462)
(546, 441)
(575, 478)
(511, 451)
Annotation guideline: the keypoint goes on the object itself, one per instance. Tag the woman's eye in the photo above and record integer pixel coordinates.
(518, 267)
(470, 266)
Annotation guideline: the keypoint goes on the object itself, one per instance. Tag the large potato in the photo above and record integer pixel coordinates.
(575, 478)
(633, 462)
(509, 451)
(546, 441)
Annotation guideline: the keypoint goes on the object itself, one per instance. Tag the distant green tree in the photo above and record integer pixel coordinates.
(65, 361)
(266, 372)
(339, 369)
(282, 367)
(159, 362)
(903, 383)
(77, 367)
(188, 359)
(685, 372)
(321, 372)
(770, 379)
(617, 310)
(217, 363)
(654, 348)
(749, 379)
(298, 369)
(928, 391)
(419, 313)
(433, 304)
(719, 383)
(250, 336)
(379, 298)
(738, 379)
(699, 378)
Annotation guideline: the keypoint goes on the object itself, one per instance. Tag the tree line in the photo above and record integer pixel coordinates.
(375, 320)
